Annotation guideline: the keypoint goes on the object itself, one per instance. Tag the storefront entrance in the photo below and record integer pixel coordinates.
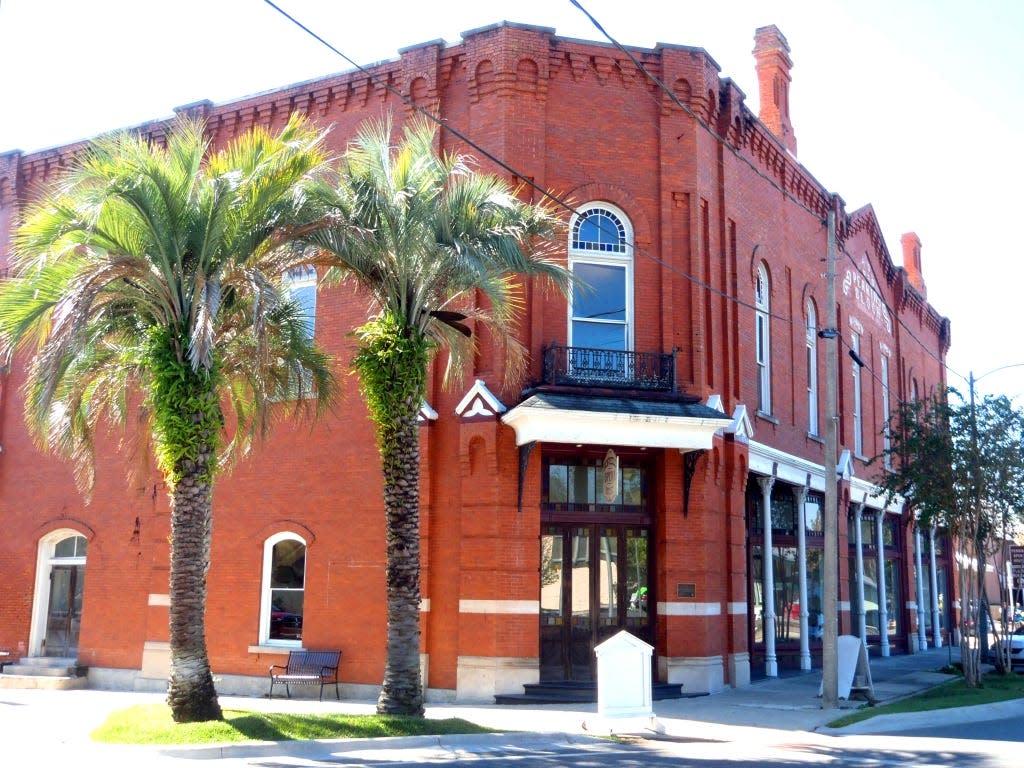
(594, 583)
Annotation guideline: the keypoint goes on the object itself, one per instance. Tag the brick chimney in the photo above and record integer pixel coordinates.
(773, 64)
(912, 262)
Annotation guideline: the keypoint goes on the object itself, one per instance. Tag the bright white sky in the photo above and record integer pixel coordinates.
(914, 106)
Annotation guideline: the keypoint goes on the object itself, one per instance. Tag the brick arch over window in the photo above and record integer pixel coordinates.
(643, 232)
(60, 523)
(282, 525)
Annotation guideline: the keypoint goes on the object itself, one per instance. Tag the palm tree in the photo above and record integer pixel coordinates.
(424, 235)
(156, 268)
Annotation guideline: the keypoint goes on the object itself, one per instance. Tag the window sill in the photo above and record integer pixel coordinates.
(766, 417)
(815, 438)
(281, 649)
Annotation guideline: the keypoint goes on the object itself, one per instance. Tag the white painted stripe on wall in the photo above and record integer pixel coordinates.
(844, 605)
(689, 609)
(737, 609)
(531, 607)
(159, 599)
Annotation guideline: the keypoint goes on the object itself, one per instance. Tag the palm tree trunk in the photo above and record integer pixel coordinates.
(191, 694)
(402, 691)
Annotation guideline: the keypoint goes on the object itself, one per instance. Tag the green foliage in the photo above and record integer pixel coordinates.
(153, 724)
(392, 365)
(439, 246)
(959, 466)
(140, 239)
(151, 273)
(186, 410)
(993, 688)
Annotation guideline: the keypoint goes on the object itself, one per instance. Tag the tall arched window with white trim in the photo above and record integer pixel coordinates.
(858, 405)
(883, 372)
(300, 284)
(601, 258)
(762, 340)
(812, 368)
(282, 604)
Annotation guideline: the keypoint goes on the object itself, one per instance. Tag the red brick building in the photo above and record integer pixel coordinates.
(668, 433)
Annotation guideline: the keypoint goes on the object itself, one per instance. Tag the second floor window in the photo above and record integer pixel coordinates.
(762, 341)
(812, 369)
(601, 258)
(886, 441)
(858, 406)
(300, 284)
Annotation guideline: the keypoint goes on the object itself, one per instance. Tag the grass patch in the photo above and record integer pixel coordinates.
(994, 688)
(152, 724)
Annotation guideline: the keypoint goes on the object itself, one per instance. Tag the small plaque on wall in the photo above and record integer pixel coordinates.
(686, 590)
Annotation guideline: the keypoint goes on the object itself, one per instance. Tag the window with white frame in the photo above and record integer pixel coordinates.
(858, 413)
(812, 368)
(601, 258)
(282, 603)
(762, 340)
(883, 371)
(300, 285)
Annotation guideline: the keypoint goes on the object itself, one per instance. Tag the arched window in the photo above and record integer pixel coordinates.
(300, 284)
(601, 257)
(858, 405)
(883, 373)
(763, 341)
(812, 368)
(282, 606)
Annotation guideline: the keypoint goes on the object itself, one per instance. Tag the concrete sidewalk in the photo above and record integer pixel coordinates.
(766, 711)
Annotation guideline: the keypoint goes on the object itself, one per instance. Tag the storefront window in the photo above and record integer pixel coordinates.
(579, 485)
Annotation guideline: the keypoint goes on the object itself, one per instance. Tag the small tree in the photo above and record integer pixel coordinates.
(960, 466)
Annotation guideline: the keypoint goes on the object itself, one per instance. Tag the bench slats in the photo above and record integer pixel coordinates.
(307, 668)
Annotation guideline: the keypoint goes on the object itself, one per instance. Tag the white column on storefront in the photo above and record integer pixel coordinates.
(862, 611)
(883, 610)
(771, 665)
(934, 576)
(800, 496)
(922, 632)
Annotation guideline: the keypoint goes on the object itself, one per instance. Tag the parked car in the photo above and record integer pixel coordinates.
(1015, 641)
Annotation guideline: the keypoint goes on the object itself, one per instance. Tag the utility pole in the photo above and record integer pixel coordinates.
(830, 604)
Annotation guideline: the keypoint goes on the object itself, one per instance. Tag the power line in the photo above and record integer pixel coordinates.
(710, 129)
(564, 204)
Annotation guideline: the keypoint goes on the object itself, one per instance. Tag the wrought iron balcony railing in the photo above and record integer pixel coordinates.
(588, 367)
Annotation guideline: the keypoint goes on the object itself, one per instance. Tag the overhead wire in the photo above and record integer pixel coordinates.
(524, 178)
(710, 129)
(565, 204)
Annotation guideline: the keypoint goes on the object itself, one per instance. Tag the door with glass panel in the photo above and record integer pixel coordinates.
(594, 584)
(65, 610)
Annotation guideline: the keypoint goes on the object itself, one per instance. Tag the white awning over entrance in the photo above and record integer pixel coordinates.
(578, 419)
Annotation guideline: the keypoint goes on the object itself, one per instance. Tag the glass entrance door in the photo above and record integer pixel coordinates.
(64, 613)
(594, 583)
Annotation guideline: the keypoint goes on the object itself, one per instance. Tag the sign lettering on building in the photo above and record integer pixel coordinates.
(610, 490)
(859, 283)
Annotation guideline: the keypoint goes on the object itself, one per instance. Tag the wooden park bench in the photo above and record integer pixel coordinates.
(307, 668)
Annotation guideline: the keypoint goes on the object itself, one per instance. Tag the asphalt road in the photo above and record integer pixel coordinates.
(804, 750)
(1010, 729)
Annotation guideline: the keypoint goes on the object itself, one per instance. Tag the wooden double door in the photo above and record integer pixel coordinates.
(594, 584)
